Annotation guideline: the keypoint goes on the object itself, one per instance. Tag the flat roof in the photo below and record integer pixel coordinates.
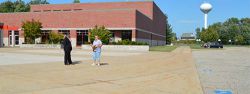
(98, 2)
(84, 10)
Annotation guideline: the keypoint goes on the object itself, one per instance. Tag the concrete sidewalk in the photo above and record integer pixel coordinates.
(144, 73)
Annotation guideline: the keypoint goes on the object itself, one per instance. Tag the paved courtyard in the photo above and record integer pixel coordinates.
(224, 70)
(41, 71)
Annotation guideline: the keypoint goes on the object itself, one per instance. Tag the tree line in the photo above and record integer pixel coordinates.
(9, 6)
(232, 31)
(170, 35)
(19, 5)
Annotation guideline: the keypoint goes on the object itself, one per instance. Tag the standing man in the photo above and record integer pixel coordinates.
(96, 46)
(67, 50)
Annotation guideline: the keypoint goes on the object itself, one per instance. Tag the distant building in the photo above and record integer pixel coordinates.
(140, 21)
(188, 36)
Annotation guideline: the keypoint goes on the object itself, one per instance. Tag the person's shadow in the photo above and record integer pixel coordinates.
(102, 64)
(79, 62)
(76, 62)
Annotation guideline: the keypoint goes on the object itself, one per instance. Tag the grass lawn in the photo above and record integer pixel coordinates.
(163, 48)
(196, 46)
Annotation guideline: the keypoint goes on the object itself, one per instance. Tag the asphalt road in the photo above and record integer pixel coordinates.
(226, 70)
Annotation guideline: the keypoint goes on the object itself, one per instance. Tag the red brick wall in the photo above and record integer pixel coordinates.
(159, 20)
(143, 22)
(5, 33)
(110, 19)
(145, 7)
(72, 33)
(143, 15)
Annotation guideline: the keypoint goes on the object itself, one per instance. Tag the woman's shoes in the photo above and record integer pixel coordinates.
(93, 64)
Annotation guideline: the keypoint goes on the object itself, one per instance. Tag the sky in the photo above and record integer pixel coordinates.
(185, 15)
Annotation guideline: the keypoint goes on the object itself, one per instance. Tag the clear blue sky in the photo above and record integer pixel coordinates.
(185, 15)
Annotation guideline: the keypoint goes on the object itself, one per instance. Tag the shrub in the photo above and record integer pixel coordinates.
(186, 42)
(32, 30)
(103, 33)
(128, 42)
(55, 38)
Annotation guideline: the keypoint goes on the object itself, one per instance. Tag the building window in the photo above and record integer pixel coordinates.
(65, 32)
(82, 37)
(127, 35)
(46, 10)
(45, 36)
(67, 10)
(37, 10)
(77, 9)
(112, 39)
(56, 10)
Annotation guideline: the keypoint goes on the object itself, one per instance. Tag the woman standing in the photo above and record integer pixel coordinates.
(96, 46)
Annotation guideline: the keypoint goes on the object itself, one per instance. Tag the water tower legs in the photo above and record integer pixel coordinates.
(205, 21)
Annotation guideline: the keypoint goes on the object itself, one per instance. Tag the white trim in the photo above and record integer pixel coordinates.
(142, 30)
(85, 28)
(139, 29)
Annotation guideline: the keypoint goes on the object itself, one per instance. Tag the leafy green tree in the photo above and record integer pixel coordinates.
(233, 29)
(36, 2)
(170, 35)
(209, 35)
(76, 1)
(7, 7)
(55, 38)
(239, 39)
(198, 33)
(20, 6)
(32, 30)
(103, 33)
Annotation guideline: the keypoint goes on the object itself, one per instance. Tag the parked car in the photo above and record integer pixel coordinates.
(213, 45)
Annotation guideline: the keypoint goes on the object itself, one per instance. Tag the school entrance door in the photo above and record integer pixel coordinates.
(82, 37)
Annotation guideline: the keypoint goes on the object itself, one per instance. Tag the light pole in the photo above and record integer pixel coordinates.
(230, 41)
(219, 40)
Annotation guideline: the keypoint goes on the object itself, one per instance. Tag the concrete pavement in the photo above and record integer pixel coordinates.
(121, 73)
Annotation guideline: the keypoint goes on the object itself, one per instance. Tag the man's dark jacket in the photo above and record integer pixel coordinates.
(67, 44)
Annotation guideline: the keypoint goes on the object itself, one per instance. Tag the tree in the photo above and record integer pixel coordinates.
(37, 2)
(209, 35)
(20, 6)
(32, 30)
(233, 29)
(103, 33)
(239, 39)
(76, 1)
(7, 7)
(170, 36)
(198, 33)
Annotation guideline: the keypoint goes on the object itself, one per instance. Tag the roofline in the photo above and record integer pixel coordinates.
(96, 2)
(94, 10)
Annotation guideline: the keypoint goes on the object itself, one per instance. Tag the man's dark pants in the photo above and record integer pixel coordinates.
(67, 58)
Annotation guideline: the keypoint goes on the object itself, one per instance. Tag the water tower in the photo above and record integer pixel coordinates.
(206, 8)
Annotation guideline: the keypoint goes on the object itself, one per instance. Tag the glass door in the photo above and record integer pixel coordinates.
(16, 37)
(82, 37)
